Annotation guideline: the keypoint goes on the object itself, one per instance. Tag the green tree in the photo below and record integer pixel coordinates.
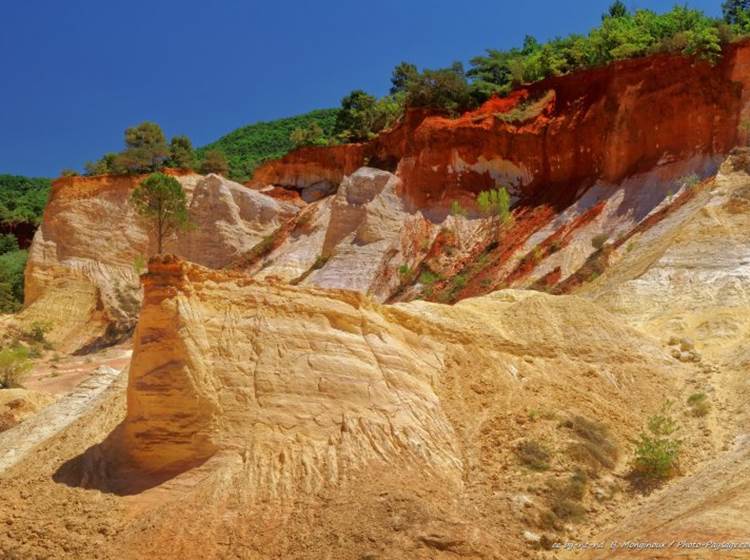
(22, 199)
(355, 119)
(68, 172)
(444, 90)
(161, 200)
(310, 135)
(215, 162)
(105, 166)
(12, 265)
(402, 76)
(734, 10)
(181, 153)
(145, 149)
(657, 450)
(8, 243)
(617, 9)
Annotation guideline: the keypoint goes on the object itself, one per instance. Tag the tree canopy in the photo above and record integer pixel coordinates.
(160, 199)
(215, 162)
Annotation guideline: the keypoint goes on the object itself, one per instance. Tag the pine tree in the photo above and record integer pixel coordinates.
(161, 200)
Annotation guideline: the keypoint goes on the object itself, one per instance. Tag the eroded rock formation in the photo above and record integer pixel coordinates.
(80, 274)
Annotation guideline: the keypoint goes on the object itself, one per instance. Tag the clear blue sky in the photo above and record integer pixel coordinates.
(75, 73)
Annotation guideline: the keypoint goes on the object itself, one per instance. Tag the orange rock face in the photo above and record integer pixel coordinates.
(554, 138)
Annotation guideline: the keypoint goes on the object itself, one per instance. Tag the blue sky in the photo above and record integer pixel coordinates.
(75, 74)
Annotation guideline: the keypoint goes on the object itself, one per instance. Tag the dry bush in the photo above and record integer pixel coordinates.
(595, 447)
(533, 455)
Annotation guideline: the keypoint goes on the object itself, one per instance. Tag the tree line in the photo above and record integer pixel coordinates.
(147, 150)
(622, 34)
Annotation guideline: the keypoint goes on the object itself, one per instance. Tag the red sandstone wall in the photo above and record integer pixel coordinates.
(605, 123)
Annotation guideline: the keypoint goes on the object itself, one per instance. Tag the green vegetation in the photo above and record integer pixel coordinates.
(427, 277)
(495, 202)
(657, 450)
(146, 150)
(362, 116)
(249, 146)
(22, 199)
(139, 264)
(621, 35)
(14, 363)
(310, 135)
(533, 455)
(181, 153)
(689, 181)
(699, 404)
(456, 209)
(12, 265)
(161, 200)
(214, 161)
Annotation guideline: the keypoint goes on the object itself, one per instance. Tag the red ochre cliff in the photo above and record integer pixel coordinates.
(554, 137)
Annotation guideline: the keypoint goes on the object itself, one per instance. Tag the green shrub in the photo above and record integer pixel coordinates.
(428, 277)
(456, 209)
(458, 281)
(139, 264)
(533, 455)
(495, 202)
(658, 450)
(14, 364)
(8, 243)
(689, 181)
(11, 280)
(404, 270)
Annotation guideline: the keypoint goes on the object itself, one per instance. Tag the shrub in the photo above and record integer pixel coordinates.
(594, 447)
(14, 363)
(657, 451)
(699, 404)
(598, 241)
(12, 265)
(139, 264)
(404, 270)
(533, 455)
(495, 202)
(37, 332)
(689, 181)
(428, 277)
(458, 281)
(456, 209)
